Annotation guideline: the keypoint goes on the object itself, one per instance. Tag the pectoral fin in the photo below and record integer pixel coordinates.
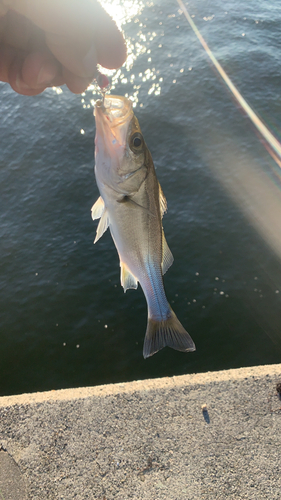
(167, 256)
(103, 225)
(128, 280)
(97, 208)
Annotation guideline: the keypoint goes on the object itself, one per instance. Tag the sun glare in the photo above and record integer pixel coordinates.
(140, 74)
(122, 11)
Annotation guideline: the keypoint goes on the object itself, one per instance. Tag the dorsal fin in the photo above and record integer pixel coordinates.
(167, 256)
(97, 208)
(128, 280)
(162, 202)
(103, 225)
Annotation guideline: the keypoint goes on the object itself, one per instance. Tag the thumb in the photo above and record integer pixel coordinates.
(80, 59)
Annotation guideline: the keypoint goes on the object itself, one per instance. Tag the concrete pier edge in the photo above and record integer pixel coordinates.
(140, 385)
(203, 436)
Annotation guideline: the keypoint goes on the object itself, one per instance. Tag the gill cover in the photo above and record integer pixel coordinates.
(120, 148)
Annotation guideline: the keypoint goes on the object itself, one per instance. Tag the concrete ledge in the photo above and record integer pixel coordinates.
(141, 385)
(213, 435)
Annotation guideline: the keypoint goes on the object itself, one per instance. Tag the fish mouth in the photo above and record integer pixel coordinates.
(113, 116)
(115, 108)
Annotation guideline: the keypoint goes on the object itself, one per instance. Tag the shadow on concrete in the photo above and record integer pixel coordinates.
(206, 415)
(12, 484)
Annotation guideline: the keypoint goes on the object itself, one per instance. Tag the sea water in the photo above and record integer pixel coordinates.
(64, 318)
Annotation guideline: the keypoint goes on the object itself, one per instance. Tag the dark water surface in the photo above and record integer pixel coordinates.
(65, 321)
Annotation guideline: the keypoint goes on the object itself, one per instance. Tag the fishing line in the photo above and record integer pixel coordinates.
(272, 142)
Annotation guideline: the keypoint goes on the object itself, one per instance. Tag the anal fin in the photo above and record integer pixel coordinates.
(128, 280)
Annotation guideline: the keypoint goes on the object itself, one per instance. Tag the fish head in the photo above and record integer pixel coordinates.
(120, 151)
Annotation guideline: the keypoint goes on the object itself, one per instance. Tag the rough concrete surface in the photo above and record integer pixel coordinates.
(12, 482)
(205, 436)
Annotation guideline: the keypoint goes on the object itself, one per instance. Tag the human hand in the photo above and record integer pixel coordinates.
(45, 43)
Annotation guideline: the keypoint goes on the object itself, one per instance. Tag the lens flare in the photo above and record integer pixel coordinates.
(274, 146)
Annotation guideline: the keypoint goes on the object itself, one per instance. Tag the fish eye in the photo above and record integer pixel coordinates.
(136, 141)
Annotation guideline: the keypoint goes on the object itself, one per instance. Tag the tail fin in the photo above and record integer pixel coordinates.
(169, 332)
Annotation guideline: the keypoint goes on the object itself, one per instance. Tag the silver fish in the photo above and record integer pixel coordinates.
(132, 205)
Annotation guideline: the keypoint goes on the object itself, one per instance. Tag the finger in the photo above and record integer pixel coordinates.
(28, 74)
(7, 57)
(80, 60)
(16, 81)
(39, 69)
(63, 16)
(75, 83)
(25, 73)
(85, 22)
(57, 82)
(16, 29)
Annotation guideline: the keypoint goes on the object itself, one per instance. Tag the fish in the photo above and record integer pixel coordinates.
(131, 205)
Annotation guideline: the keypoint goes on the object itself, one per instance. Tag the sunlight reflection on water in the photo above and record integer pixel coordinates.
(140, 42)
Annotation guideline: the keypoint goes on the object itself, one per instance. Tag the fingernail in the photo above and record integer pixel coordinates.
(90, 62)
(46, 74)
